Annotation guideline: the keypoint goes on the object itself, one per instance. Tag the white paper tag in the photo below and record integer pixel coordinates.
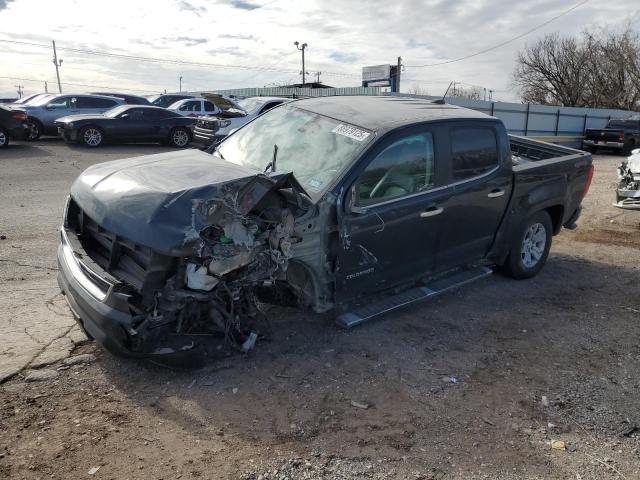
(351, 132)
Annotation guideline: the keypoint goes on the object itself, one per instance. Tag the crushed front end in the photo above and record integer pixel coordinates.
(199, 297)
(628, 191)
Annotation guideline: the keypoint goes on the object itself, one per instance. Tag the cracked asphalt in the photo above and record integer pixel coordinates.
(36, 328)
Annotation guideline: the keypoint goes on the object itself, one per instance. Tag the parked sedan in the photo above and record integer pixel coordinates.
(13, 124)
(43, 112)
(194, 107)
(127, 124)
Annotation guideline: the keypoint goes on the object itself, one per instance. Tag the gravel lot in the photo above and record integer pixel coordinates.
(555, 358)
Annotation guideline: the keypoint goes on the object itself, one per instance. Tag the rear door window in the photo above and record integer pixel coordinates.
(62, 102)
(95, 102)
(190, 106)
(209, 107)
(474, 152)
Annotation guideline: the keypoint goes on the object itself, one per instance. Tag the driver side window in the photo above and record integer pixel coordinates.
(403, 168)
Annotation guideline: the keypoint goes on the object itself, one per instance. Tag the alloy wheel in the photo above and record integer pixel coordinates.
(533, 245)
(180, 138)
(92, 137)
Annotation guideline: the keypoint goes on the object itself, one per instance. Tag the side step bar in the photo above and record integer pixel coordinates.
(441, 285)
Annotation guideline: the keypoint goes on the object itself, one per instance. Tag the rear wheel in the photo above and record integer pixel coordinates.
(35, 129)
(530, 247)
(179, 137)
(91, 137)
(4, 138)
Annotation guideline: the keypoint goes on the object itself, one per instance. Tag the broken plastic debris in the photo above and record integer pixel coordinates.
(250, 342)
(557, 445)
(198, 278)
(93, 470)
(364, 406)
(545, 401)
(450, 379)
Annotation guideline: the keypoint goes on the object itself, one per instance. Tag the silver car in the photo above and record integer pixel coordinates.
(44, 112)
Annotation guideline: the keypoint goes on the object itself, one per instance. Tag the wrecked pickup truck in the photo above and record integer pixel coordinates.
(356, 204)
(628, 191)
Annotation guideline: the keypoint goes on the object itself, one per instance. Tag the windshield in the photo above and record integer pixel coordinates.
(315, 148)
(115, 111)
(249, 104)
(40, 101)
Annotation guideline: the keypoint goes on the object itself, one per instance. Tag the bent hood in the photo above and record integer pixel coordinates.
(150, 200)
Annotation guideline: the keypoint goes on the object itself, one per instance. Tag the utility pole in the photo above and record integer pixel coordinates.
(398, 74)
(301, 48)
(46, 87)
(490, 95)
(180, 82)
(20, 90)
(318, 77)
(57, 63)
(485, 94)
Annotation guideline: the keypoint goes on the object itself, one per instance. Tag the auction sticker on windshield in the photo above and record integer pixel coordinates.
(351, 132)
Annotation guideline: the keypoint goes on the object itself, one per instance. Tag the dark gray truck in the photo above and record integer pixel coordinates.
(622, 135)
(356, 204)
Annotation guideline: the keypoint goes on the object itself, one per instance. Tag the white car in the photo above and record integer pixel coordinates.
(194, 107)
(214, 127)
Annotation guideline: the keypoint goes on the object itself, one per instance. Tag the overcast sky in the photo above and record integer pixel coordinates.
(343, 36)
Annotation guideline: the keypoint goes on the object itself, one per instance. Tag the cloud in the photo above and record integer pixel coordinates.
(343, 57)
(4, 4)
(188, 7)
(244, 5)
(239, 36)
(186, 41)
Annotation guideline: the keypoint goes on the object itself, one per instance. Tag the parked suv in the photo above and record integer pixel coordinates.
(43, 113)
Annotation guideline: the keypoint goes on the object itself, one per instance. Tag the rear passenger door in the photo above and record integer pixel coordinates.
(478, 191)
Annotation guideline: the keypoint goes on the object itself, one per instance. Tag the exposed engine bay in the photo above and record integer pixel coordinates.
(238, 243)
(628, 192)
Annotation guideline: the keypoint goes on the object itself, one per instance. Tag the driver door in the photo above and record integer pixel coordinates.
(391, 226)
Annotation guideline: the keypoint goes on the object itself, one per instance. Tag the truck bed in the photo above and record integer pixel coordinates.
(557, 174)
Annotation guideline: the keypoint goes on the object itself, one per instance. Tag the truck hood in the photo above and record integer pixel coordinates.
(150, 200)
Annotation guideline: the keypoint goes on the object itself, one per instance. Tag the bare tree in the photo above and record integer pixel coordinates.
(416, 89)
(471, 93)
(595, 69)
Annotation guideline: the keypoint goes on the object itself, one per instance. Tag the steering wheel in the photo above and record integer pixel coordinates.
(381, 182)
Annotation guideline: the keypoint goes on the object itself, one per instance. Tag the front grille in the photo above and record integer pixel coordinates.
(132, 263)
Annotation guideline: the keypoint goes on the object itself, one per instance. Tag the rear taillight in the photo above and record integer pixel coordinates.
(621, 137)
(587, 184)
(19, 115)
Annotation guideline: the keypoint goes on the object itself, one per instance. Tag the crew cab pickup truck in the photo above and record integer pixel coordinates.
(622, 135)
(353, 204)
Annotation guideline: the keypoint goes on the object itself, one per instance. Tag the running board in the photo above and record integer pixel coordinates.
(441, 285)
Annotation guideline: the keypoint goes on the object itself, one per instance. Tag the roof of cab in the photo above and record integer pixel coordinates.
(385, 112)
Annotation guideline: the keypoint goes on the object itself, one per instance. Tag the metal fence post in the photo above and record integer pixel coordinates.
(584, 124)
(557, 121)
(526, 121)
(493, 104)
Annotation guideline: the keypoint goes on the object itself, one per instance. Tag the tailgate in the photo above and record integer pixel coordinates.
(606, 135)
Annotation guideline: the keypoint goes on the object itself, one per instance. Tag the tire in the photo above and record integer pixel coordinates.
(4, 138)
(179, 137)
(592, 150)
(91, 137)
(628, 148)
(529, 247)
(35, 128)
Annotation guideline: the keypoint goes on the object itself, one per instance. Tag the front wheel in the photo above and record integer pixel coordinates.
(179, 137)
(4, 138)
(91, 137)
(530, 247)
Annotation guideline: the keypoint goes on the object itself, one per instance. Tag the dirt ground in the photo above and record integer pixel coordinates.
(475, 384)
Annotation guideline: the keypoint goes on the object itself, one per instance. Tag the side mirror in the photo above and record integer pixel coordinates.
(351, 203)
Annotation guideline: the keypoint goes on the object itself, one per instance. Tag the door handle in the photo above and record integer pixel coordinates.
(432, 212)
(495, 193)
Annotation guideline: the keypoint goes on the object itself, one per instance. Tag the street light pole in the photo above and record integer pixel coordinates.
(180, 82)
(301, 48)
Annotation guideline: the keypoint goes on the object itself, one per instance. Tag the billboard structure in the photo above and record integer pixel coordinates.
(381, 76)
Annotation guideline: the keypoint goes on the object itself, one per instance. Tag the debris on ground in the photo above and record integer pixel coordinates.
(363, 406)
(78, 359)
(545, 401)
(558, 445)
(93, 470)
(40, 375)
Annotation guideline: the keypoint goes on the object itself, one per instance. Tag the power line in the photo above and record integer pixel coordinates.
(503, 43)
(71, 84)
(164, 60)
